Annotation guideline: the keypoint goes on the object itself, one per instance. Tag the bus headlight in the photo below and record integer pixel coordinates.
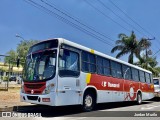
(48, 89)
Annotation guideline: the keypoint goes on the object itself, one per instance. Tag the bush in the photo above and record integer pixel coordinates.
(5, 78)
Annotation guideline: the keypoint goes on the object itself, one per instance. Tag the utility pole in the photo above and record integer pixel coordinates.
(147, 50)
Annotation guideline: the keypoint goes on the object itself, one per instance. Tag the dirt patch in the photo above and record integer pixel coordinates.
(10, 98)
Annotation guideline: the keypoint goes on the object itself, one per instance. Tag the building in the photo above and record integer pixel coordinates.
(14, 71)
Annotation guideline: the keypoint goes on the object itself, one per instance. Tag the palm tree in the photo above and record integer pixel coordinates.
(148, 63)
(130, 45)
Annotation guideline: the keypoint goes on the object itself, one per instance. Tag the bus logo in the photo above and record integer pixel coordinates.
(104, 83)
(32, 91)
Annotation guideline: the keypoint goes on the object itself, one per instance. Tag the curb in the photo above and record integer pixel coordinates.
(6, 109)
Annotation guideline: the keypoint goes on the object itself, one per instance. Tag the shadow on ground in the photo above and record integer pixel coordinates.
(155, 99)
(71, 111)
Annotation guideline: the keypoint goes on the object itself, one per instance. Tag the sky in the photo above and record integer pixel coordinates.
(87, 22)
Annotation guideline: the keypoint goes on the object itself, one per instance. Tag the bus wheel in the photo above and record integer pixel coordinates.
(139, 98)
(89, 101)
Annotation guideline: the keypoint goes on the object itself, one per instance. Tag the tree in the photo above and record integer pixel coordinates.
(158, 71)
(22, 49)
(148, 63)
(12, 58)
(130, 45)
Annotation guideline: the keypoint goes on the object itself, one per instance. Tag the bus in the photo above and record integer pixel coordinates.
(59, 72)
(156, 87)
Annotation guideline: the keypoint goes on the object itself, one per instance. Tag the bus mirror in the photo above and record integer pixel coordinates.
(61, 52)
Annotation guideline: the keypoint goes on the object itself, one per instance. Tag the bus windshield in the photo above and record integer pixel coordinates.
(156, 81)
(40, 66)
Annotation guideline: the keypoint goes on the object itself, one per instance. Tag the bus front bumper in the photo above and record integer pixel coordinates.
(44, 99)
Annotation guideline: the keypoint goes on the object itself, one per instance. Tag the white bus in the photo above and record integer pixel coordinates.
(59, 72)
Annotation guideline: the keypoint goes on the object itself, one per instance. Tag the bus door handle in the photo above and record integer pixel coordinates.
(78, 91)
(67, 88)
(62, 91)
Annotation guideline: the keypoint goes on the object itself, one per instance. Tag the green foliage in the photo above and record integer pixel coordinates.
(5, 78)
(12, 59)
(22, 49)
(148, 63)
(130, 45)
(158, 69)
(21, 52)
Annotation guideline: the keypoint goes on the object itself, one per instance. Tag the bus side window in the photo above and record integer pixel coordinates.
(142, 76)
(85, 66)
(69, 64)
(88, 62)
(151, 78)
(119, 70)
(126, 72)
(113, 68)
(148, 80)
(100, 65)
(103, 66)
(92, 63)
(135, 75)
(116, 69)
(106, 67)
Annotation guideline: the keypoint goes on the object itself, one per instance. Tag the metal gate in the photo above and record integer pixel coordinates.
(4, 73)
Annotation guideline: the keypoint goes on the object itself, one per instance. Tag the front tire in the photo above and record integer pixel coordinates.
(89, 101)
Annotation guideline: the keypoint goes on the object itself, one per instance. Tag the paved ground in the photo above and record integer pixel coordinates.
(114, 111)
(11, 99)
(118, 109)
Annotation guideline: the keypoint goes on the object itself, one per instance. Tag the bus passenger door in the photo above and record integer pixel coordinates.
(69, 78)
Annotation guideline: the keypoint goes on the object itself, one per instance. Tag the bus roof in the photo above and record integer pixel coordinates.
(67, 42)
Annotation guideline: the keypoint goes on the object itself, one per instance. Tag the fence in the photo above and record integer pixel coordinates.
(4, 73)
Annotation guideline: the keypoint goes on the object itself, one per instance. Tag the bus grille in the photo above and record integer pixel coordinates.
(35, 92)
(34, 86)
(32, 97)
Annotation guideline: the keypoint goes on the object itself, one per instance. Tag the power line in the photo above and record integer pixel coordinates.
(76, 20)
(99, 11)
(156, 53)
(119, 17)
(130, 18)
(68, 22)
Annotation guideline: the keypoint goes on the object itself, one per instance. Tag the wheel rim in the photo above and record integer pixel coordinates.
(88, 101)
(139, 98)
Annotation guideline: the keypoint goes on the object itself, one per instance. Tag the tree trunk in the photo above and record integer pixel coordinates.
(130, 58)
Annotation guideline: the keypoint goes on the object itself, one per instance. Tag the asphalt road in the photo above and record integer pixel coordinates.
(118, 109)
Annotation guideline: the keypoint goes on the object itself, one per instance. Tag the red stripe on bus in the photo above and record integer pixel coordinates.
(118, 84)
